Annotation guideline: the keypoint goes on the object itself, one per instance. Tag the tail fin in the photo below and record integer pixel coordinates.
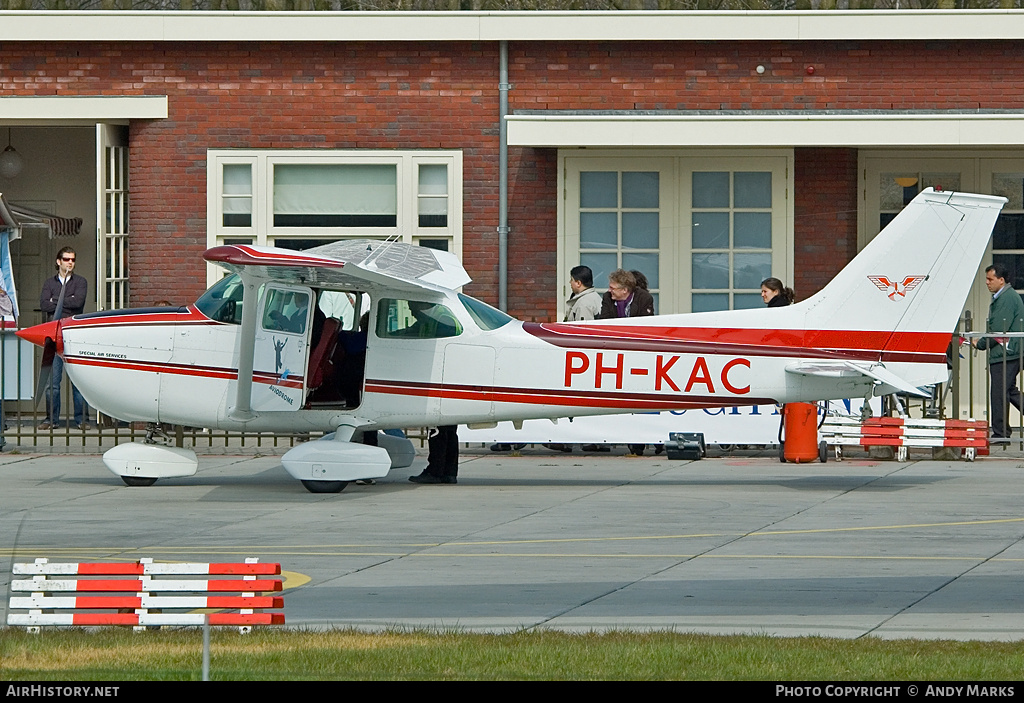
(916, 274)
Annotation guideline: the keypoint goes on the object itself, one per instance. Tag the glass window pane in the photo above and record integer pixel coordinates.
(711, 189)
(439, 244)
(710, 230)
(711, 271)
(433, 179)
(335, 195)
(710, 302)
(599, 230)
(752, 189)
(1008, 232)
(599, 189)
(601, 265)
(640, 189)
(647, 264)
(286, 311)
(413, 319)
(1011, 187)
(897, 189)
(237, 212)
(750, 269)
(433, 212)
(238, 179)
(747, 301)
(639, 230)
(752, 230)
(1014, 262)
(433, 195)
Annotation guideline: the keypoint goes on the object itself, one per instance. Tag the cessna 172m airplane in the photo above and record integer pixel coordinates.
(357, 336)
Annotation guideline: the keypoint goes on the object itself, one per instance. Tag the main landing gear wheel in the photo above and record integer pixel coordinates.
(782, 452)
(822, 451)
(137, 481)
(325, 486)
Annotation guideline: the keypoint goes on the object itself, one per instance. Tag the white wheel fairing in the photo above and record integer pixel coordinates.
(137, 460)
(336, 461)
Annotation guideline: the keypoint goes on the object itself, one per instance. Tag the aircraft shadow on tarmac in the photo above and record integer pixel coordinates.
(275, 482)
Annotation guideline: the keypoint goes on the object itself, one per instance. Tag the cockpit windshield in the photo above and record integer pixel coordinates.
(486, 317)
(223, 301)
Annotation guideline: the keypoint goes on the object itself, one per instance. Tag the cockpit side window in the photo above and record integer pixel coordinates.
(286, 311)
(414, 319)
(223, 301)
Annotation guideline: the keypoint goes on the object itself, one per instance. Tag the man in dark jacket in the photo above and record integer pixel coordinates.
(75, 289)
(1005, 314)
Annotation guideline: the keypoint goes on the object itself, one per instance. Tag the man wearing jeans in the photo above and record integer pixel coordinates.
(74, 290)
(1005, 314)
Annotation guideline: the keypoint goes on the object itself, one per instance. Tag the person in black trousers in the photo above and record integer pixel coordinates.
(442, 456)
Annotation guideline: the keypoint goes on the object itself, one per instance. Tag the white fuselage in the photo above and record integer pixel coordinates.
(178, 366)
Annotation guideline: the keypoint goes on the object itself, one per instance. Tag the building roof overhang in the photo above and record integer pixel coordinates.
(80, 109)
(787, 25)
(803, 128)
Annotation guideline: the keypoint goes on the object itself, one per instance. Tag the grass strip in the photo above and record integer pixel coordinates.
(278, 654)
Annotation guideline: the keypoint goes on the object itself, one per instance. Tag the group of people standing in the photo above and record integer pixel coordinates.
(628, 296)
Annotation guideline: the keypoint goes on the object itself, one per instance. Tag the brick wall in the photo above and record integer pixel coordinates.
(444, 96)
(825, 216)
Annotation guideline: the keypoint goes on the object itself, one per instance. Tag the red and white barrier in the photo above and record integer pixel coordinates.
(906, 433)
(130, 601)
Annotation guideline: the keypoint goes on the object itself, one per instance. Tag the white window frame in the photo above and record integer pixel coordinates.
(262, 231)
(675, 245)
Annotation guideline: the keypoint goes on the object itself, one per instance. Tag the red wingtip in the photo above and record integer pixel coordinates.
(39, 334)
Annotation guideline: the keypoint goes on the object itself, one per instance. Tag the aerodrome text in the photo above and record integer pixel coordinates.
(61, 691)
(608, 370)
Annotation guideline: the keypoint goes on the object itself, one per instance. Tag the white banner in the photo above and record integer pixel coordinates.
(757, 424)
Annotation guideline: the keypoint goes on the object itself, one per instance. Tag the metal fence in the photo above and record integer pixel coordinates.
(965, 395)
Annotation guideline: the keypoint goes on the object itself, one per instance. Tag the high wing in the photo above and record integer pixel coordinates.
(374, 266)
(888, 381)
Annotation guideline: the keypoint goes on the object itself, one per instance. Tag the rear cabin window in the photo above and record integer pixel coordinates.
(415, 319)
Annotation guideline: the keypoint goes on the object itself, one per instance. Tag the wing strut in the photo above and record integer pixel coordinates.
(247, 347)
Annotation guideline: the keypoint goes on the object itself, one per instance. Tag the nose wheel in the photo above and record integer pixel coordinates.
(137, 481)
(325, 486)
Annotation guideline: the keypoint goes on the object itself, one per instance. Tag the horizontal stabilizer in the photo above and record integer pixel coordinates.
(890, 382)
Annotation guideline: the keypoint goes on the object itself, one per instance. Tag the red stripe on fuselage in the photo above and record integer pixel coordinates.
(919, 347)
(184, 370)
(547, 396)
(129, 318)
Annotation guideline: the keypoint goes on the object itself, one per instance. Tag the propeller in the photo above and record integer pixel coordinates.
(49, 351)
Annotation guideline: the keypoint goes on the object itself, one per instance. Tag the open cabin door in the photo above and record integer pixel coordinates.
(111, 217)
(282, 339)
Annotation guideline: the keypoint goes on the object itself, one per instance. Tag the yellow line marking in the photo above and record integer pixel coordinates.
(293, 579)
(560, 540)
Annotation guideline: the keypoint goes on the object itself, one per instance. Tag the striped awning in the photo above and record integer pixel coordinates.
(18, 218)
